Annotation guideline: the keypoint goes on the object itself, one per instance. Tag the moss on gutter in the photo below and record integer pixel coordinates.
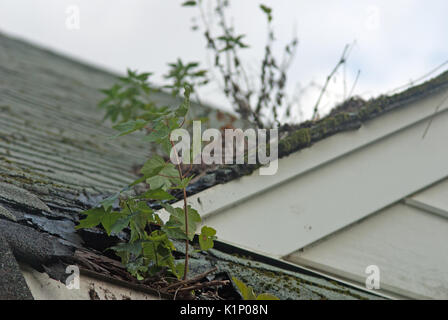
(298, 139)
(339, 120)
(282, 283)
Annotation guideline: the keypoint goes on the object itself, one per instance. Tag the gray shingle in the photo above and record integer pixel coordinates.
(12, 283)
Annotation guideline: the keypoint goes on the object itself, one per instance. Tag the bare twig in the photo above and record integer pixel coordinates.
(214, 283)
(341, 61)
(254, 103)
(354, 84)
(192, 280)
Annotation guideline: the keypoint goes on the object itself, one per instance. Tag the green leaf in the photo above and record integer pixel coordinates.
(142, 216)
(189, 4)
(267, 10)
(109, 201)
(139, 180)
(176, 212)
(137, 267)
(109, 220)
(174, 230)
(133, 248)
(94, 218)
(249, 294)
(267, 296)
(166, 146)
(183, 108)
(157, 194)
(153, 166)
(120, 224)
(180, 269)
(129, 127)
(206, 238)
(170, 171)
(158, 249)
(124, 256)
(246, 291)
(144, 76)
(164, 178)
(176, 226)
(183, 183)
(159, 182)
(160, 132)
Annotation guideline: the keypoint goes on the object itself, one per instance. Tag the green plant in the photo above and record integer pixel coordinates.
(249, 294)
(257, 101)
(185, 74)
(149, 249)
(131, 98)
(127, 99)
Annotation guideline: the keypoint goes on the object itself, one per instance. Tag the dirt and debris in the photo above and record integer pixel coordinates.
(93, 294)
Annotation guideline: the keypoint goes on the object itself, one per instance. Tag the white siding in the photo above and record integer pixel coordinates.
(408, 245)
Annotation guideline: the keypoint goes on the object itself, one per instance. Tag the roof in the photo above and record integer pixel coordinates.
(56, 160)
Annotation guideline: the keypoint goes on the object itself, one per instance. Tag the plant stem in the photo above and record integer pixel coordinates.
(186, 231)
(179, 169)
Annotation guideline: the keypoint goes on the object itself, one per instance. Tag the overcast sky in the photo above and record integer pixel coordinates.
(396, 41)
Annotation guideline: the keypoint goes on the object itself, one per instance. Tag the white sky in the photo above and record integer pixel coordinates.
(396, 41)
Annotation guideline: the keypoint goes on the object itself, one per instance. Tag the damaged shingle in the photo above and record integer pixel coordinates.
(7, 214)
(16, 196)
(12, 283)
(31, 246)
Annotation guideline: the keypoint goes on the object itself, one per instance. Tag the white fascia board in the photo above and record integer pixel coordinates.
(223, 196)
(43, 287)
